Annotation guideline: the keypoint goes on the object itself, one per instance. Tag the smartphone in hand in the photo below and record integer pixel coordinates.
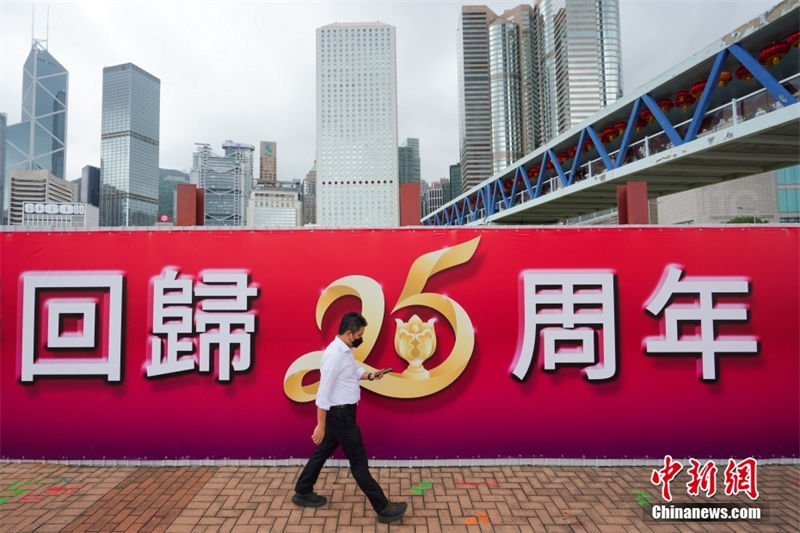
(382, 372)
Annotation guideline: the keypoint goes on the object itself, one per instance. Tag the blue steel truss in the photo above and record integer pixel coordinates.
(537, 177)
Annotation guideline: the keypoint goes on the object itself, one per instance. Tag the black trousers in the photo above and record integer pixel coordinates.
(341, 429)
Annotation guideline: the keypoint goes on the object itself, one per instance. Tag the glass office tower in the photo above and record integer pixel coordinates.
(39, 140)
(583, 59)
(529, 74)
(357, 176)
(408, 161)
(129, 147)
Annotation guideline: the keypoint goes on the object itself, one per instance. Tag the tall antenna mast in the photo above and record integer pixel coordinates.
(47, 32)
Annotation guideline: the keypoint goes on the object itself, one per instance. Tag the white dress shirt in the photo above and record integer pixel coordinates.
(339, 375)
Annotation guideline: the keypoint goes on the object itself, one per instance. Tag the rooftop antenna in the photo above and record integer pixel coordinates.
(39, 43)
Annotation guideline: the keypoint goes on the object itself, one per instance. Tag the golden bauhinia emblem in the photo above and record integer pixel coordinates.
(415, 340)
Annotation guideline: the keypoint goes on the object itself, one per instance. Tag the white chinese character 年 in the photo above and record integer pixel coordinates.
(705, 312)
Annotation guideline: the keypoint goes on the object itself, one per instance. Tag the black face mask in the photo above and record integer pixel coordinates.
(357, 342)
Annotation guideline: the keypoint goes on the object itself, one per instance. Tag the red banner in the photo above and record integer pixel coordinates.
(512, 342)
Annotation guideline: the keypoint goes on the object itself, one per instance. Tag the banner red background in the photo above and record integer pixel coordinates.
(653, 406)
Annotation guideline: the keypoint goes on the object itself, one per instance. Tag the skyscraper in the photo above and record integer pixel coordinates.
(529, 74)
(474, 97)
(268, 169)
(408, 161)
(89, 186)
(454, 189)
(227, 181)
(39, 140)
(3, 129)
(583, 59)
(309, 189)
(357, 178)
(129, 139)
(409, 175)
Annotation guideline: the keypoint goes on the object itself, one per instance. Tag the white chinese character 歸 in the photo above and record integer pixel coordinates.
(42, 297)
(172, 316)
(569, 308)
(705, 313)
(226, 292)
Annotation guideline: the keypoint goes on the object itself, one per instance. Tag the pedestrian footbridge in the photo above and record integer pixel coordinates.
(727, 112)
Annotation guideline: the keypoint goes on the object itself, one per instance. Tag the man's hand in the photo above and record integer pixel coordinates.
(319, 433)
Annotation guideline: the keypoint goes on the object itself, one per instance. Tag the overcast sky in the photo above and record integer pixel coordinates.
(245, 70)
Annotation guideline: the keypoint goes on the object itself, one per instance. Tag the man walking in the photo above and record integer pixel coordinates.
(337, 397)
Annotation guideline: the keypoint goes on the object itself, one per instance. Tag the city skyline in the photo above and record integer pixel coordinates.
(278, 104)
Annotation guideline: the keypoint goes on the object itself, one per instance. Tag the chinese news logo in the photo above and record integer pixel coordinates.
(739, 477)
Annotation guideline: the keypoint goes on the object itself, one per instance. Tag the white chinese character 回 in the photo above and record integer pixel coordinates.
(705, 313)
(172, 316)
(226, 292)
(555, 304)
(43, 308)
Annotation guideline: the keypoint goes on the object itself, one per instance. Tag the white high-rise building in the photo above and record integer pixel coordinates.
(357, 175)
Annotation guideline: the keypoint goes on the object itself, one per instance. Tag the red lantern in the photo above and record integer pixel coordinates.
(794, 39)
(697, 88)
(563, 156)
(572, 151)
(772, 54)
(665, 104)
(743, 74)
(608, 135)
(533, 172)
(646, 115)
(683, 99)
(640, 123)
(620, 127)
(724, 78)
(508, 184)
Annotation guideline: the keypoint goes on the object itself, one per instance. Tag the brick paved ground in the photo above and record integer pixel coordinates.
(44, 497)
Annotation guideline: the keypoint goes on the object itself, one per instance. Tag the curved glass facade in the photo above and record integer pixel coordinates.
(505, 85)
(583, 59)
(529, 74)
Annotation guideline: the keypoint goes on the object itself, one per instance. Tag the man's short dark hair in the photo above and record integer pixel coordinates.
(353, 322)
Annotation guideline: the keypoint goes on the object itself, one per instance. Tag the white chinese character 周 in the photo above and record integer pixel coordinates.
(705, 313)
(568, 309)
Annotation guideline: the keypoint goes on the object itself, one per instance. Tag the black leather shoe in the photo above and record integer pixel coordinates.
(393, 511)
(311, 499)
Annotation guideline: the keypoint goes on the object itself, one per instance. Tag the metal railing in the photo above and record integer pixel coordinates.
(730, 114)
